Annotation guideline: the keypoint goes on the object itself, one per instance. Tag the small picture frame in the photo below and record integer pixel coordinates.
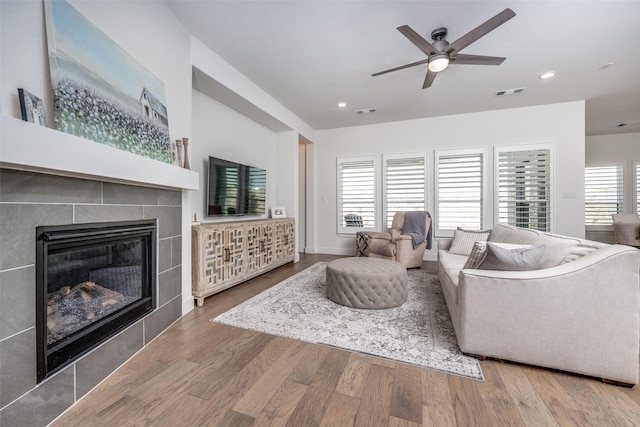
(31, 107)
(278, 212)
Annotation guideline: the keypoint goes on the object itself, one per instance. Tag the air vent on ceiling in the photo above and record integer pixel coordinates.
(514, 91)
(366, 111)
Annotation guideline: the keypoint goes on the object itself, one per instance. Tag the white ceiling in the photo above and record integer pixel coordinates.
(310, 55)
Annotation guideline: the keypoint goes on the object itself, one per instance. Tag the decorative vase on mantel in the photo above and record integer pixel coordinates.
(185, 144)
(180, 152)
(174, 153)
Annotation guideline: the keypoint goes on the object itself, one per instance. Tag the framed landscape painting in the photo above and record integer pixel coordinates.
(100, 91)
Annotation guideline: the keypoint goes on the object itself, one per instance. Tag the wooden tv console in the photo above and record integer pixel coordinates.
(226, 254)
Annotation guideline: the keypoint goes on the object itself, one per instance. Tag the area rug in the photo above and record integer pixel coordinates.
(419, 332)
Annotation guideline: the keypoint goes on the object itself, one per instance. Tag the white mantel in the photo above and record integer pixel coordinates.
(26, 146)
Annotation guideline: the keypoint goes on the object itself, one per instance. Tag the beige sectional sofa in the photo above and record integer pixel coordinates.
(578, 311)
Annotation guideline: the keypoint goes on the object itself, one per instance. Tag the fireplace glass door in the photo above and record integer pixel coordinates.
(93, 280)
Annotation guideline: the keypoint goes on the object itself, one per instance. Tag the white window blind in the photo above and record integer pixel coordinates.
(460, 190)
(638, 188)
(524, 187)
(603, 194)
(404, 184)
(356, 193)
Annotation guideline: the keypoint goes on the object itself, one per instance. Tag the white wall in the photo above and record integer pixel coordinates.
(621, 148)
(561, 124)
(302, 197)
(149, 31)
(221, 132)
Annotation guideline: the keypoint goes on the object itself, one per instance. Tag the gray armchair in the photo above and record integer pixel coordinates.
(627, 229)
(397, 246)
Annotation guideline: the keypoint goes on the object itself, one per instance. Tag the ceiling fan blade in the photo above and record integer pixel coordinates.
(402, 67)
(477, 60)
(428, 79)
(481, 30)
(418, 40)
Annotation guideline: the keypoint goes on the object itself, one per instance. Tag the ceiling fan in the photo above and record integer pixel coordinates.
(441, 52)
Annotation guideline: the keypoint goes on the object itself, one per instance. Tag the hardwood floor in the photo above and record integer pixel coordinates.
(198, 373)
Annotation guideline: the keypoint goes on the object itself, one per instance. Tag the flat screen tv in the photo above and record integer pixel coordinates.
(235, 189)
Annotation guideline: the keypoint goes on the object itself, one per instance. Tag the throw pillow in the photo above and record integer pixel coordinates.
(498, 258)
(480, 250)
(463, 240)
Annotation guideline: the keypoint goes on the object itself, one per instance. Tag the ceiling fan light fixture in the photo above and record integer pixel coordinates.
(438, 62)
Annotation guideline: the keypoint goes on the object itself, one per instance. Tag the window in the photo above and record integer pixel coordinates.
(524, 186)
(357, 193)
(603, 194)
(459, 190)
(405, 184)
(637, 192)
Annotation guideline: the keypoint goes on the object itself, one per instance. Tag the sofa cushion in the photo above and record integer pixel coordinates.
(463, 240)
(582, 249)
(479, 251)
(523, 236)
(500, 232)
(498, 258)
(556, 248)
(451, 264)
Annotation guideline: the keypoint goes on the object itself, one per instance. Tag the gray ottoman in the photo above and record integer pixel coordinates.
(366, 282)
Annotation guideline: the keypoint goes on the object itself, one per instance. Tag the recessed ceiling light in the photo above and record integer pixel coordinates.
(342, 104)
(547, 75)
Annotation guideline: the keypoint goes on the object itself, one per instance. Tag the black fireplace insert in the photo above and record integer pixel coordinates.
(92, 281)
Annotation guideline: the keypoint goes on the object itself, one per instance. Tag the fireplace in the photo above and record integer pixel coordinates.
(92, 281)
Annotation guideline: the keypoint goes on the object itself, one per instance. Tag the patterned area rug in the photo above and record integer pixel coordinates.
(419, 332)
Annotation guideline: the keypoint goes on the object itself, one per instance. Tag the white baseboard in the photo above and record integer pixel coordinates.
(187, 305)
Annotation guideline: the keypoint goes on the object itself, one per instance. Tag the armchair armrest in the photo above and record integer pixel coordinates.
(627, 233)
(378, 235)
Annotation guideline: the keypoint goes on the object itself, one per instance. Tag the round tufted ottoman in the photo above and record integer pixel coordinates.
(366, 282)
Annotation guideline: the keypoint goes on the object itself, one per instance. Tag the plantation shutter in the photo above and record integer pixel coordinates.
(524, 188)
(638, 188)
(603, 194)
(404, 184)
(460, 191)
(356, 193)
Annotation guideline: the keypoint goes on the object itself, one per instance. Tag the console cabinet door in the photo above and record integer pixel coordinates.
(234, 263)
(259, 246)
(284, 240)
(290, 240)
(213, 256)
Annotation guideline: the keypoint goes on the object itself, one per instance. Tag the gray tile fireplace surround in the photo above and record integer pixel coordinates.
(31, 199)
